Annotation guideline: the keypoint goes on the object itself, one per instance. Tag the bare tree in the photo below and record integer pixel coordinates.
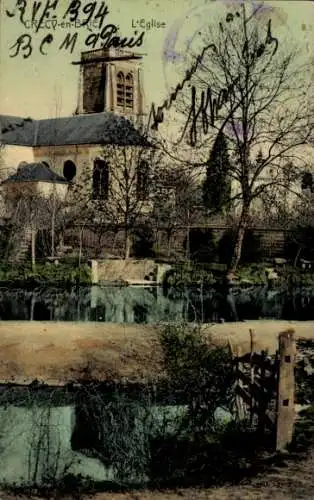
(117, 192)
(249, 85)
(30, 213)
(177, 202)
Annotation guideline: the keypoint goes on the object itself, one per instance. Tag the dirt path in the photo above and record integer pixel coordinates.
(292, 481)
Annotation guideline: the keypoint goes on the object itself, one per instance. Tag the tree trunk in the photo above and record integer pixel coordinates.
(53, 221)
(33, 249)
(169, 234)
(127, 244)
(113, 248)
(33, 302)
(237, 251)
(187, 249)
(80, 247)
(297, 257)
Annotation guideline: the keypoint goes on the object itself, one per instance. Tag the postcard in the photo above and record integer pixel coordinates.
(156, 181)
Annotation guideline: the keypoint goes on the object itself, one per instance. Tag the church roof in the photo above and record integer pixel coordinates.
(17, 130)
(97, 128)
(35, 172)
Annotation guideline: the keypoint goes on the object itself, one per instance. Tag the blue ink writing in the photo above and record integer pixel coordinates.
(216, 104)
(158, 117)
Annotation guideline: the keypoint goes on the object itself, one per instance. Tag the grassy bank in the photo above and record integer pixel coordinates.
(63, 273)
(193, 274)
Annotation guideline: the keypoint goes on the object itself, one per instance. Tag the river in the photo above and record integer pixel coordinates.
(150, 305)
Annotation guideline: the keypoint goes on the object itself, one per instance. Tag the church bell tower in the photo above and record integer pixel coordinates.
(111, 80)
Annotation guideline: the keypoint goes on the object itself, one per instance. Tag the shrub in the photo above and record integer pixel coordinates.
(203, 371)
(187, 274)
(204, 450)
(62, 273)
(254, 273)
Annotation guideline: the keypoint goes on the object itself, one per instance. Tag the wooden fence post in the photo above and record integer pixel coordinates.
(240, 409)
(264, 401)
(285, 394)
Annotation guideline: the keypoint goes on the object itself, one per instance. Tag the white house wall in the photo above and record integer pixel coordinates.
(36, 441)
(56, 156)
(11, 156)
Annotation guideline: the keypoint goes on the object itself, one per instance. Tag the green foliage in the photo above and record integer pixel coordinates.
(186, 274)
(294, 277)
(204, 450)
(287, 275)
(189, 274)
(204, 373)
(217, 186)
(48, 273)
(253, 273)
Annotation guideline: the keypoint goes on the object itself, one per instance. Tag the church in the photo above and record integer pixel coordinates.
(110, 111)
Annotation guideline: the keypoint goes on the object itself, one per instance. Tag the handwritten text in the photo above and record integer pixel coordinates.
(38, 15)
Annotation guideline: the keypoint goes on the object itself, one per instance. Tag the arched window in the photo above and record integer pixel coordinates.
(129, 91)
(100, 180)
(125, 90)
(307, 181)
(120, 89)
(142, 185)
(69, 170)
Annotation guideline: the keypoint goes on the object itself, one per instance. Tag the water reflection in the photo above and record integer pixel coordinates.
(153, 305)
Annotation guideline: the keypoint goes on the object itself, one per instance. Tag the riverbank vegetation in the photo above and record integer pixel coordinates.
(187, 274)
(68, 272)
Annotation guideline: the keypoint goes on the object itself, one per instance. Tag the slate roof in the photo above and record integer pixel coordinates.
(17, 130)
(96, 128)
(35, 172)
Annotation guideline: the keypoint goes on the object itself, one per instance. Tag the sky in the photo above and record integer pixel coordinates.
(42, 85)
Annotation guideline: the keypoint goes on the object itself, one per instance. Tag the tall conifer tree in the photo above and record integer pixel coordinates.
(217, 186)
